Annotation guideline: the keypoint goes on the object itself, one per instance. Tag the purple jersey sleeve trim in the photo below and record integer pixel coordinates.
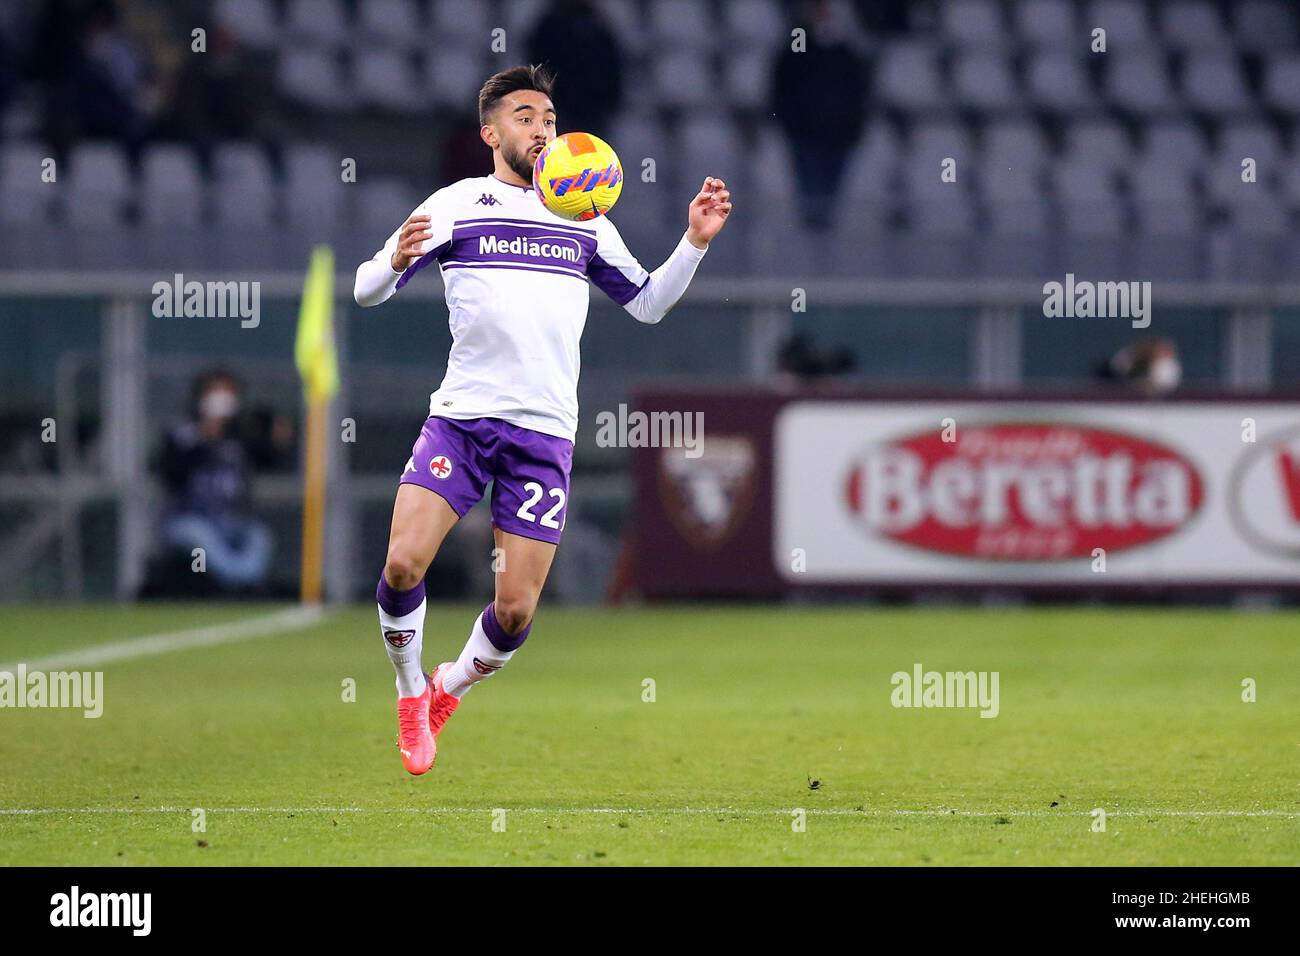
(430, 256)
(612, 282)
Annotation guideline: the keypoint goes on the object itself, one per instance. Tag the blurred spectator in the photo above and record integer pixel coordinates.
(581, 49)
(217, 96)
(803, 361)
(98, 81)
(832, 74)
(1150, 365)
(206, 466)
(884, 18)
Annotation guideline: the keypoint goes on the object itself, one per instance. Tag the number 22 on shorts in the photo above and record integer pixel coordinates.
(535, 492)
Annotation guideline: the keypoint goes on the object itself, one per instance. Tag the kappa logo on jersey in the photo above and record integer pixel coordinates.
(398, 638)
(487, 199)
(440, 466)
(485, 668)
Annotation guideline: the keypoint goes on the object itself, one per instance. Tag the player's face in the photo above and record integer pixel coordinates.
(524, 123)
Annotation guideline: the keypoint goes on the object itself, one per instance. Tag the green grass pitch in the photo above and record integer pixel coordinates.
(758, 713)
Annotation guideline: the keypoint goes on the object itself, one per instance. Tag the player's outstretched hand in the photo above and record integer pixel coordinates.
(708, 212)
(414, 231)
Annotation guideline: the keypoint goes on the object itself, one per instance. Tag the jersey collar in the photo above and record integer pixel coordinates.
(525, 189)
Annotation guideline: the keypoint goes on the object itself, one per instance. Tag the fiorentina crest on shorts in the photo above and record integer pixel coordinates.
(398, 638)
(708, 497)
(440, 466)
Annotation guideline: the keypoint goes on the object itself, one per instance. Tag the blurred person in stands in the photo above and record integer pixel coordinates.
(218, 96)
(885, 18)
(114, 88)
(1150, 365)
(574, 40)
(831, 73)
(206, 465)
(800, 361)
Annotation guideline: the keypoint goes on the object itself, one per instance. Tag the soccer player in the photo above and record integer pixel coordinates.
(507, 410)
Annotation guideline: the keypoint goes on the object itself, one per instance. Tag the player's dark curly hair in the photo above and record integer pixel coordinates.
(531, 77)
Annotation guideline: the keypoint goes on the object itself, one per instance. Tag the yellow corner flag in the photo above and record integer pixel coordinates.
(317, 362)
(313, 351)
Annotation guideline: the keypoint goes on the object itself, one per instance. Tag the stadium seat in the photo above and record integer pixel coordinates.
(642, 136)
(1137, 81)
(384, 202)
(24, 198)
(252, 22)
(1224, 186)
(625, 19)
(983, 81)
(1125, 22)
(171, 187)
(1265, 25)
(1046, 23)
(639, 135)
(1174, 143)
(100, 186)
(1192, 26)
(1016, 142)
(1262, 216)
(1088, 197)
(683, 80)
(711, 143)
(314, 78)
(1258, 140)
(941, 209)
(932, 141)
(244, 190)
(1213, 84)
(1013, 195)
(936, 207)
(1289, 184)
(319, 22)
(872, 168)
(908, 77)
(313, 187)
(972, 23)
(454, 77)
(681, 25)
(747, 79)
(1056, 81)
(454, 24)
(387, 79)
(1100, 143)
(390, 23)
(755, 25)
(1282, 82)
(1164, 199)
(771, 154)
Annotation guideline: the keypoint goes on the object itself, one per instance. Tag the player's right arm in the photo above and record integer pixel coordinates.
(421, 239)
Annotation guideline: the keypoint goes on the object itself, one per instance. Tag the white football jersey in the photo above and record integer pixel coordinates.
(516, 285)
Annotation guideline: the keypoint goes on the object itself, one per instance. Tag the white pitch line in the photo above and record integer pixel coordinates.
(149, 645)
(671, 811)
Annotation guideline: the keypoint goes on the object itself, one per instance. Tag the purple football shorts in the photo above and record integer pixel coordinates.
(529, 472)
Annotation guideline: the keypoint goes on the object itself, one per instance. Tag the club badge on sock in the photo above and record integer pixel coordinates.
(398, 638)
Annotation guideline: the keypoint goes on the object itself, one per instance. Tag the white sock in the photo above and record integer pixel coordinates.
(479, 660)
(403, 639)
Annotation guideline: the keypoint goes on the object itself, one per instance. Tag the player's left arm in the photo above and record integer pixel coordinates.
(649, 295)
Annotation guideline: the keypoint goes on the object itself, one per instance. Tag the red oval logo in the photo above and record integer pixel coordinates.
(1018, 491)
